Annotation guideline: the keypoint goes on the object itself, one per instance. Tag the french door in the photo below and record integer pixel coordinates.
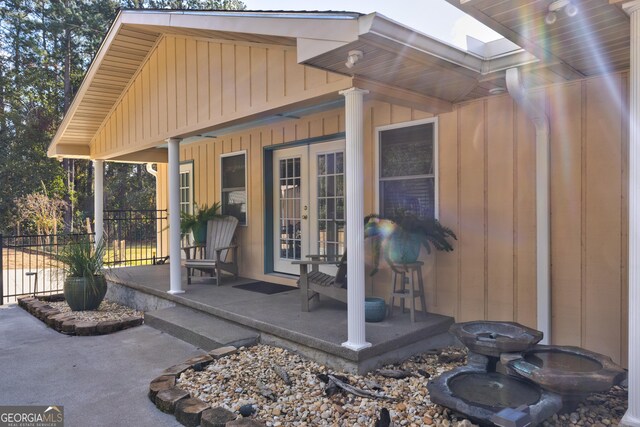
(309, 204)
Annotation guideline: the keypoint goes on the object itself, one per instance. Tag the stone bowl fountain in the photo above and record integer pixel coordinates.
(565, 370)
(493, 338)
(511, 381)
(479, 394)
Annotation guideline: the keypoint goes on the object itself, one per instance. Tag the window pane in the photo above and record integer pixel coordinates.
(339, 185)
(339, 162)
(234, 203)
(322, 186)
(234, 193)
(339, 208)
(331, 164)
(410, 196)
(233, 171)
(331, 183)
(322, 169)
(406, 151)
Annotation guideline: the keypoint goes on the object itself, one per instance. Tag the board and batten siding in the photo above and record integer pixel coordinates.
(189, 84)
(206, 157)
(487, 196)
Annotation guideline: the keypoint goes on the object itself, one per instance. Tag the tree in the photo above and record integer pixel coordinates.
(40, 212)
(45, 48)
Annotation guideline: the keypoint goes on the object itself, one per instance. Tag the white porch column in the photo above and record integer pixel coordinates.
(175, 278)
(98, 199)
(632, 417)
(354, 169)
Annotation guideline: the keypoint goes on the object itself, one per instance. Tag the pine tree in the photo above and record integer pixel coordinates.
(45, 48)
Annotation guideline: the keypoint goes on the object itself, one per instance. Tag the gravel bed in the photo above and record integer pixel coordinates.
(108, 310)
(251, 377)
(598, 410)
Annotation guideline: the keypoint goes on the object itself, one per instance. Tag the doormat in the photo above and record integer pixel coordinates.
(264, 287)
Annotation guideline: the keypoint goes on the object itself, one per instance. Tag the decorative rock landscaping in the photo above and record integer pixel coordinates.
(275, 387)
(108, 318)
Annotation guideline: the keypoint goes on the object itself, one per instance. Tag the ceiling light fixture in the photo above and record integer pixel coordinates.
(352, 57)
(570, 10)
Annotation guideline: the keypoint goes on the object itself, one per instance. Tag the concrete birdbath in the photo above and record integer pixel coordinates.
(480, 395)
(493, 338)
(566, 370)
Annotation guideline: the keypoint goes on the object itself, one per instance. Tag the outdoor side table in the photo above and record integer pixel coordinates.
(408, 284)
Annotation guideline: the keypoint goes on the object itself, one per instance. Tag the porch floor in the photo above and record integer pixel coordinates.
(278, 318)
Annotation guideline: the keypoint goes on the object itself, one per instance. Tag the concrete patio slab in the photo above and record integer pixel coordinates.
(317, 334)
(100, 380)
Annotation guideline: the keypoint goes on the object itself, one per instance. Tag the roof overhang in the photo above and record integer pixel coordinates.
(595, 41)
(134, 34)
(398, 64)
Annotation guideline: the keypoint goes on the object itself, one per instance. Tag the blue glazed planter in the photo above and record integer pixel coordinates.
(374, 309)
(199, 231)
(404, 248)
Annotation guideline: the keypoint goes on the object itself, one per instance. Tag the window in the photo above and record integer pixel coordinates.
(234, 189)
(186, 187)
(407, 169)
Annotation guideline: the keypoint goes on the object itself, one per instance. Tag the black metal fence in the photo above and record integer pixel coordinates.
(29, 263)
(134, 237)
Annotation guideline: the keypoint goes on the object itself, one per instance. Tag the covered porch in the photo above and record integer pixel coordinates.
(278, 319)
(522, 176)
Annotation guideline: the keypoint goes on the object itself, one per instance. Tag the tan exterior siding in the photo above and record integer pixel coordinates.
(487, 195)
(206, 156)
(188, 84)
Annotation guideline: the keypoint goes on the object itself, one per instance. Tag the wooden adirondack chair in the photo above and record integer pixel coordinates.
(216, 257)
(314, 282)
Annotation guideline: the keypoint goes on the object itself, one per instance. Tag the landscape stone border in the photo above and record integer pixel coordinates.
(66, 323)
(191, 411)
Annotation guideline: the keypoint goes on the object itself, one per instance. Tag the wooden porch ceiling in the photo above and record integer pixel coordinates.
(96, 98)
(595, 41)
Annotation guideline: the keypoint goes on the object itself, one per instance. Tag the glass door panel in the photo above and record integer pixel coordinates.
(290, 202)
(327, 221)
(309, 205)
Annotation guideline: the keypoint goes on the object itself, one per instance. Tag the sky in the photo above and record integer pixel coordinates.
(436, 18)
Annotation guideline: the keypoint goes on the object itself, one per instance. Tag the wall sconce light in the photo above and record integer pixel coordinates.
(352, 57)
(570, 10)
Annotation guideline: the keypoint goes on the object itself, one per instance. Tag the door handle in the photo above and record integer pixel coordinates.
(304, 217)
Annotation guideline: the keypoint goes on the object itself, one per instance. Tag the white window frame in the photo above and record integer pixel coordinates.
(187, 167)
(436, 185)
(246, 181)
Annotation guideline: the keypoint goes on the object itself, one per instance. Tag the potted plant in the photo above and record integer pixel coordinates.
(196, 223)
(85, 284)
(401, 236)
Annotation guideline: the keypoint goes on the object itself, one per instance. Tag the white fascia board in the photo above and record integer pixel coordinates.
(310, 48)
(511, 61)
(86, 82)
(338, 27)
(384, 27)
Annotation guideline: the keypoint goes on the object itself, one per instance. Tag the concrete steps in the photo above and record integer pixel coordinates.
(200, 329)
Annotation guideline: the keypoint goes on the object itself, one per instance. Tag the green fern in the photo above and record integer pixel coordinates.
(402, 225)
